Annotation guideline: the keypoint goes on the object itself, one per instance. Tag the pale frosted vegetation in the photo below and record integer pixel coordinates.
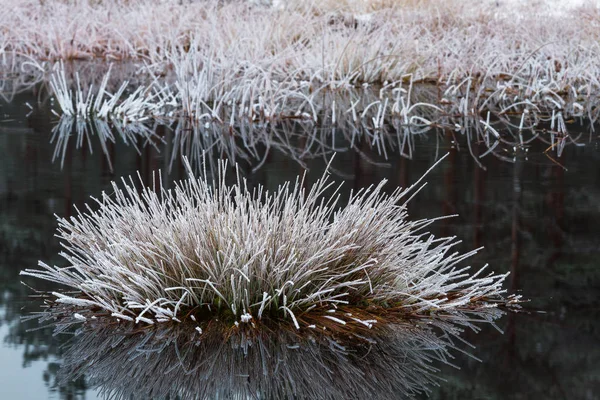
(207, 251)
(211, 61)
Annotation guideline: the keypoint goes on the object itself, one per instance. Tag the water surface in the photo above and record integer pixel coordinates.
(535, 216)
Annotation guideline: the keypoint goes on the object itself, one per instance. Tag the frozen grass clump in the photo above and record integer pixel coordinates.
(206, 251)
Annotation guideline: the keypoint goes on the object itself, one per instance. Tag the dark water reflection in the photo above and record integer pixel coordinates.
(128, 362)
(534, 218)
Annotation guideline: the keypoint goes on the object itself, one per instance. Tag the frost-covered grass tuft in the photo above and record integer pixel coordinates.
(206, 250)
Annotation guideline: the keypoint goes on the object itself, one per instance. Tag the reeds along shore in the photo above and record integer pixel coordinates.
(254, 260)
(208, 61)
(387, 119)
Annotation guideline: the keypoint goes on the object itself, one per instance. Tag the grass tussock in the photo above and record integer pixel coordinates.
(206, 251)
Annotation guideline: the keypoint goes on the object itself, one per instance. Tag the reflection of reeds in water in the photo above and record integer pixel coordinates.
(498, 135)
(125, 362)
(83, 131)
(206, 251)
(205, 100)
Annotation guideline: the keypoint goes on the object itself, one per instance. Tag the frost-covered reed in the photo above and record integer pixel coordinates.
(528, 48)
(90, 103)
(207, 61)
(205, 97)
(207, 250)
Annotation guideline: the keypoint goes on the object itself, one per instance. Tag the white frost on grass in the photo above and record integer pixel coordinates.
(153, 255)
(542, 7)
(208, 61)
(136, 106)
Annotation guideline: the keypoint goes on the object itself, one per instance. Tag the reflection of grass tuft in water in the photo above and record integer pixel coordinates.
(164, 363)
(207, 251)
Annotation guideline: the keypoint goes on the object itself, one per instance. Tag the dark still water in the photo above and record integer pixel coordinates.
(536, 217)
